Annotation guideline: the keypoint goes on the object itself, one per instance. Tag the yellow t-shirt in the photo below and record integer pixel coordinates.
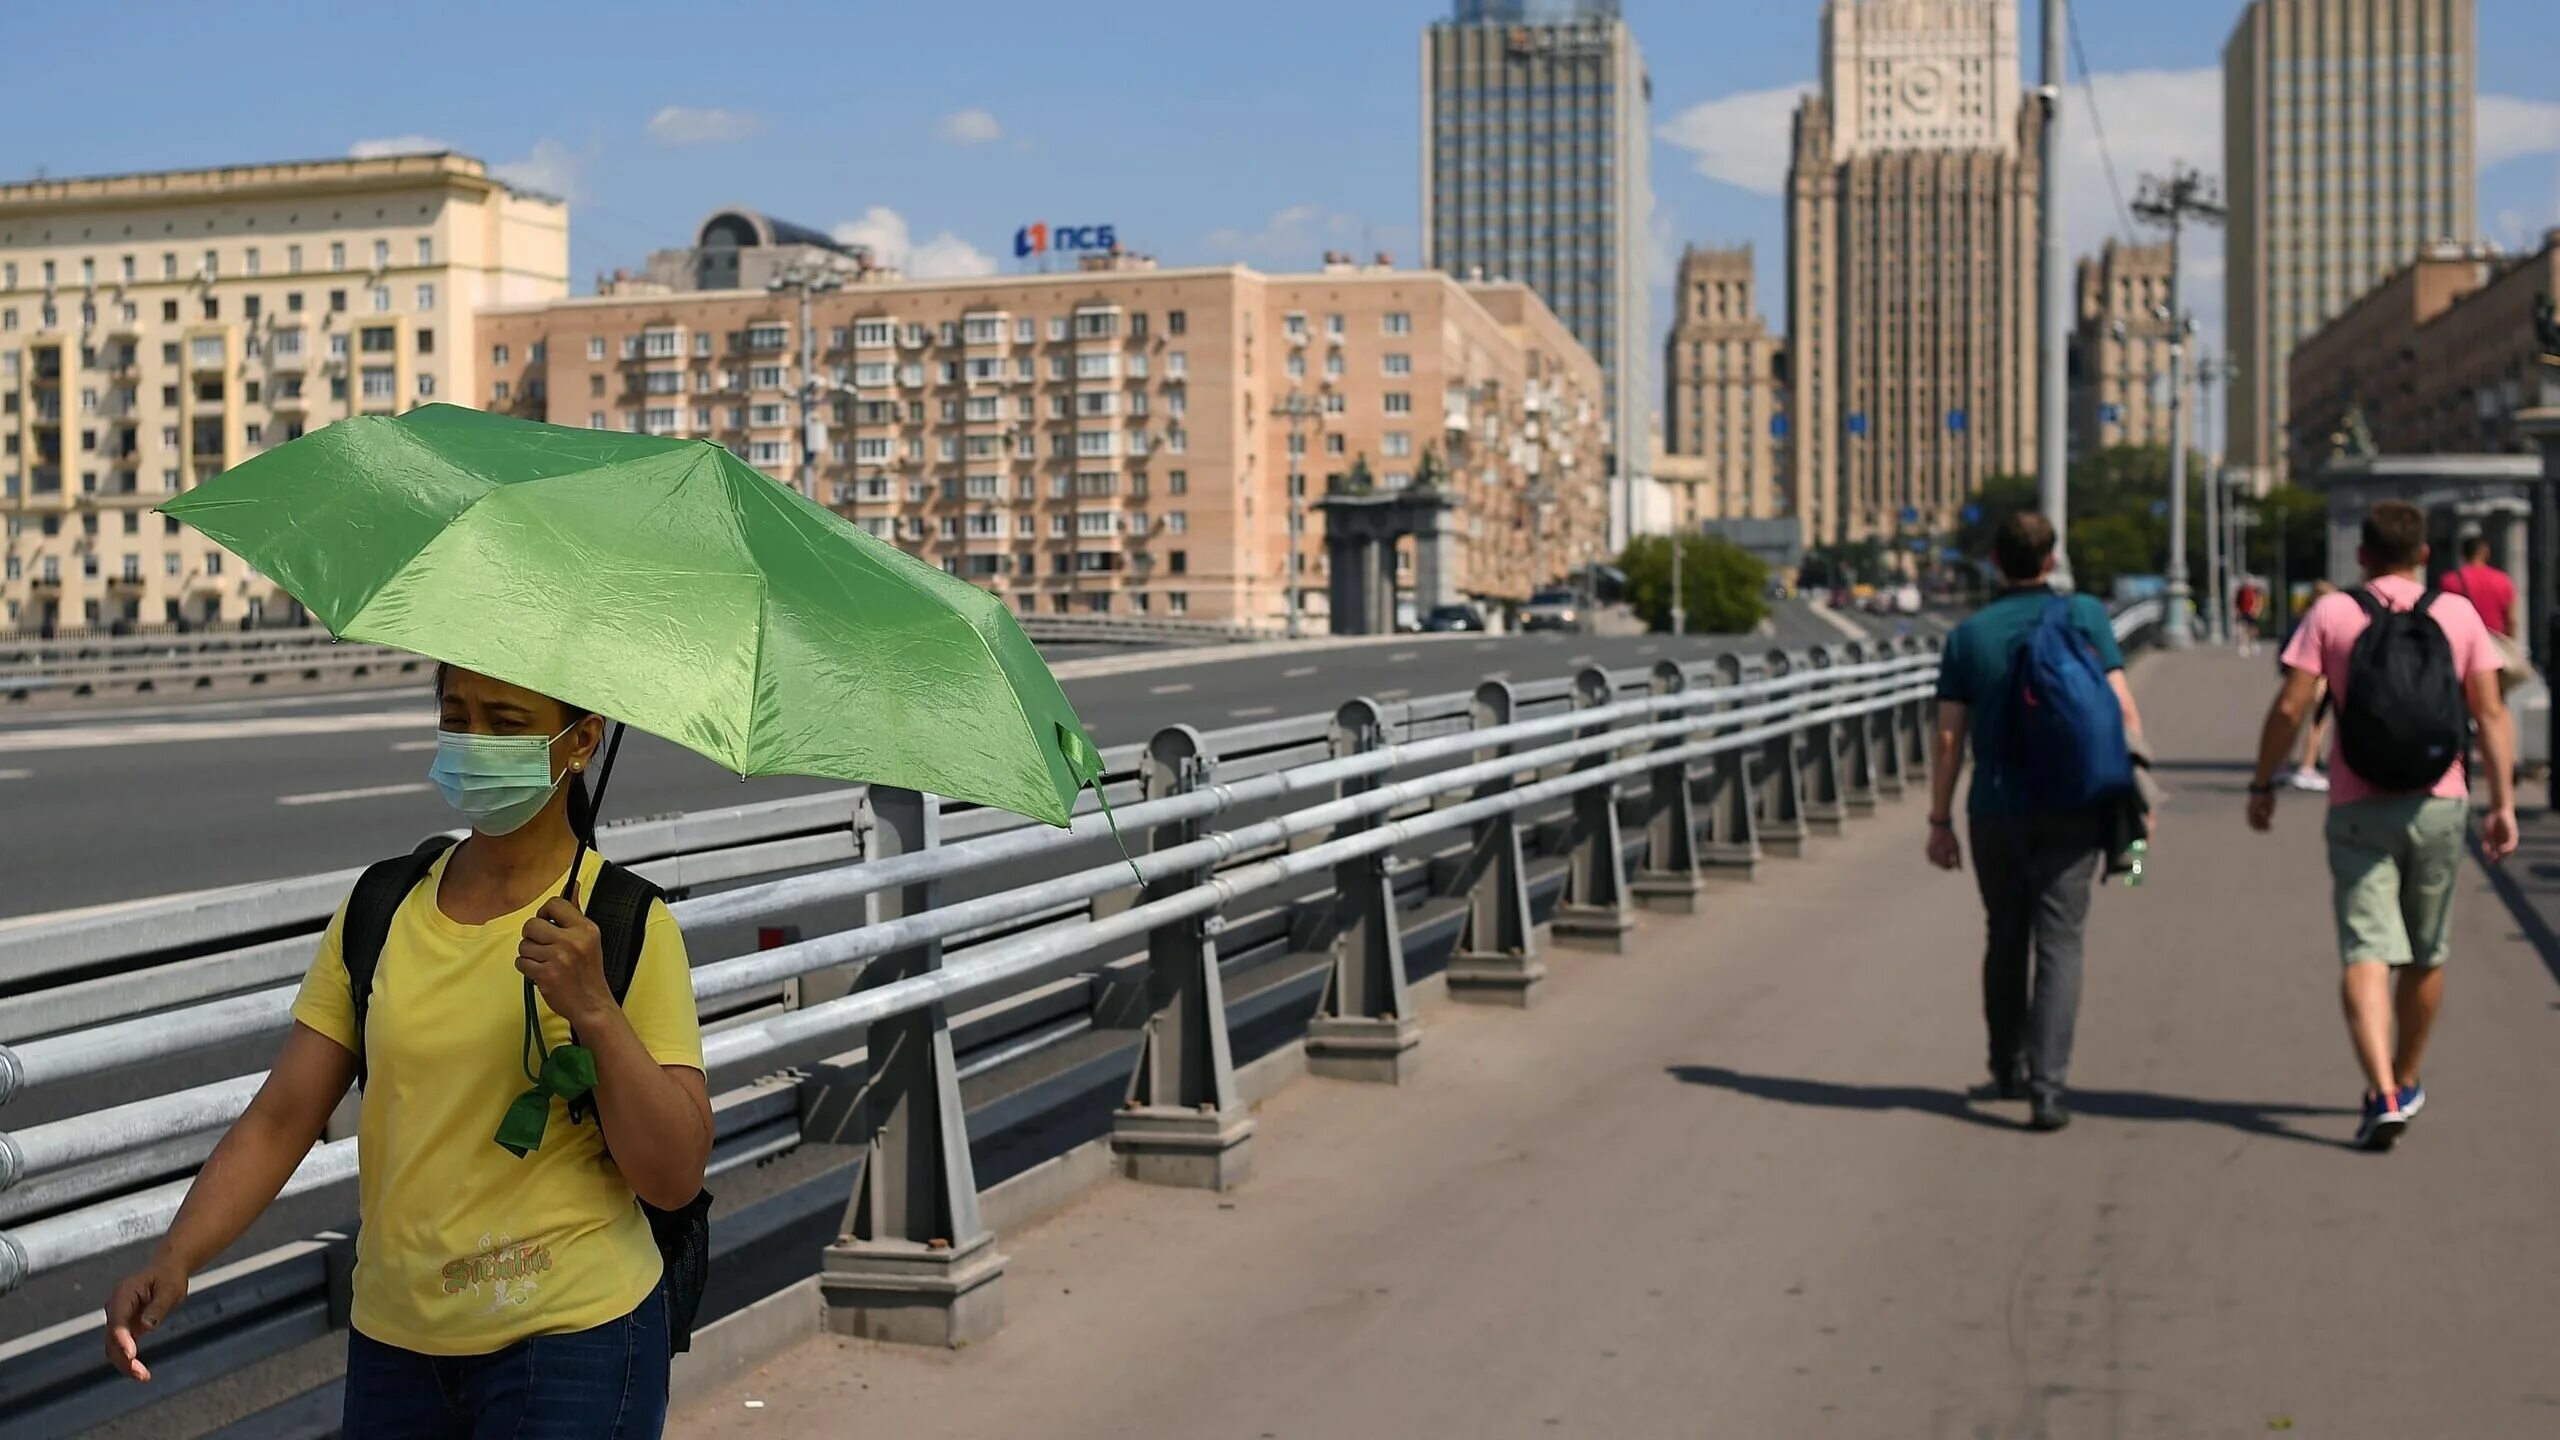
(465, 1248)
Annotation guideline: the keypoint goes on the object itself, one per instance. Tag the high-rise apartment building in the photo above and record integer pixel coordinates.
(156, 329)
(1535, 138)
(1911, 267)
(1722, 405)
(2347, 149)
(2120, 349)
(1109, 440)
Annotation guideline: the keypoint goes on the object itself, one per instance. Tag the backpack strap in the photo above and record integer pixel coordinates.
(619, 905)
(377, 897)
(2370, 603)
(2425, 600)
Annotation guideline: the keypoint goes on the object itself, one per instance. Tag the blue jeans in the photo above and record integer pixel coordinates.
(608, 1383)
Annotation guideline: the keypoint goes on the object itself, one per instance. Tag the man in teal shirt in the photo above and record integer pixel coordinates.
(2033, 864)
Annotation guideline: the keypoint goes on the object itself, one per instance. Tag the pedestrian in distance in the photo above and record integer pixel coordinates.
(514, 1272)
(2034, 684)
(2246, 607)
(2412, 671)
(2494, 596)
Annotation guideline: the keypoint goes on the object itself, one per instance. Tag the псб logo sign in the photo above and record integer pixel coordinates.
(1039, 238)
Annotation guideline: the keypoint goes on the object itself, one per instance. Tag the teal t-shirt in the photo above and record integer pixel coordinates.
(1974, 671)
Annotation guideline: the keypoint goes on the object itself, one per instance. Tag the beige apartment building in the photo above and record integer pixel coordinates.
(2436, 360)
(2347, 148)
(1911, 268)
(156, 329)
(1723, 407)
(1111, 440)
(2120, 349)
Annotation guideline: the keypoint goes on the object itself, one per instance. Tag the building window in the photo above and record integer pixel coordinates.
(1399, 364)
(1399, 402)
(378, 382)
(595, 347)
(872, 334)
(1097, 324)
(497, 353)
(1177, 364)
(337, 254)
(767, 337)
(380, 339)
(1399, 322)
(595, 420)
(381, 299)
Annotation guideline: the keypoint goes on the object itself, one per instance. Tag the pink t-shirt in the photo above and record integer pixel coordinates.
(2329, 631)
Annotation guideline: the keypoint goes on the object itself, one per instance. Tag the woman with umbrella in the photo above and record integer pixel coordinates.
(495, 1292)
(508, 1283)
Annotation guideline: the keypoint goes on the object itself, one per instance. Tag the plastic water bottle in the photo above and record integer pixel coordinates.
(2141, 853)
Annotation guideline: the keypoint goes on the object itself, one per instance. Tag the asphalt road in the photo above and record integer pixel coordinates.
(1730, 1185)
(110, 803)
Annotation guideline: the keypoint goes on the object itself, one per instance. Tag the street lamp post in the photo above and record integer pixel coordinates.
(807, 281)
(1298, 410)
(2171, 203)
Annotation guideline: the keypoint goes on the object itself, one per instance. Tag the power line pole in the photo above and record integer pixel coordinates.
(2053, 460)
(2222, 569)
(807, 281)
(2185, 194)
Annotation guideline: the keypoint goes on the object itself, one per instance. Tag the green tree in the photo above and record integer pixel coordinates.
(1723, 586)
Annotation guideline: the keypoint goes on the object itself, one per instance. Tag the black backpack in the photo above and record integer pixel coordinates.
(2402, 721)
(619, 905)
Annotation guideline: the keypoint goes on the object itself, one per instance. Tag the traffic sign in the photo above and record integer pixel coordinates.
(1973, 514)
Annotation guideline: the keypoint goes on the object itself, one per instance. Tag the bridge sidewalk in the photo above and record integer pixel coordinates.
(1728, 1185)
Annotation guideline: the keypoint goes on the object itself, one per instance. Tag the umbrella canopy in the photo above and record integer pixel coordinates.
(663, 583)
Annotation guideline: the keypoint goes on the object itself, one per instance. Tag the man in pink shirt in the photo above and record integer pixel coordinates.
(2393, 854)
(2485, 586)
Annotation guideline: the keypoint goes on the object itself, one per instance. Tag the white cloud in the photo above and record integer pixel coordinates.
(375, 149)
(1743, 140)
(2507, 127)
(892, 240)
(551, 169)
(968, 127)
(1296, 237)
(688, 125)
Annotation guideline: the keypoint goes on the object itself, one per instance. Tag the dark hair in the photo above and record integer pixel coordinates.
(2395, 533)
(582, 806)
(2475, 548)
(2022, 545)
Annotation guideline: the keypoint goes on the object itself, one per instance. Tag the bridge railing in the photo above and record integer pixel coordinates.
(174, 661)
(1290, 881)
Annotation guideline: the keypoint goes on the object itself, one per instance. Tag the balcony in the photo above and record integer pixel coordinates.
(205, 359)
(283, 361)
(120, 361)
(45, 580)
(282, 402)
(125, 582)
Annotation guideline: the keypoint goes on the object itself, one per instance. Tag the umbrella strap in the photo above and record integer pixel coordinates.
(1095, 785)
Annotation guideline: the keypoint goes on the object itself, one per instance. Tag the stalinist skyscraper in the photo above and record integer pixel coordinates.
(1911, 268)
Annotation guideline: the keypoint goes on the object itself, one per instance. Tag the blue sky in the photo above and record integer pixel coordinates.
(1206, 130)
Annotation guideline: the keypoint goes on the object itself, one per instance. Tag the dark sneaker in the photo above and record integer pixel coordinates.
(2009, 1086)
(2413, 1098)
(2048, 1113)
(2382, 1124)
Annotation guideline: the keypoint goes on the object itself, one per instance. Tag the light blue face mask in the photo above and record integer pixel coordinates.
(497, 782)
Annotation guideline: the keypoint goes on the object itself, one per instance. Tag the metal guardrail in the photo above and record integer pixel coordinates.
(158, 662)
(1423, 816)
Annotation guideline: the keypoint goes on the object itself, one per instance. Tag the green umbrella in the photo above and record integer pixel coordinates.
(663, 583)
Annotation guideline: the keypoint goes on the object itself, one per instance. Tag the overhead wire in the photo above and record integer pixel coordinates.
(2097, 126)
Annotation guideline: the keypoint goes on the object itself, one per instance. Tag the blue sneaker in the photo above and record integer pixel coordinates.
(2383, 1122)
(2413, 1098)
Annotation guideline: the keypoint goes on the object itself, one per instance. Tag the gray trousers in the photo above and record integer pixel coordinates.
(2034, 873)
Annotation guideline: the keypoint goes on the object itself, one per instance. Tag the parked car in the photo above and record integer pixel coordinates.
(1446, 618)
(1906, 599)
(1552, 610)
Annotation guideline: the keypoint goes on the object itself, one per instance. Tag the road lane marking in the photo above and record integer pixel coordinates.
(1403, 655)
(173, 732)
(15, 774)
(1647, 649)
(1182, 689)
(1250, 712)
(412, 747)
(368, 792)
(1577, 659)
(1299, 673)
(1488, 645)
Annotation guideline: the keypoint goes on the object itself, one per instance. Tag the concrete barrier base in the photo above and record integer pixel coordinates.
(1370, 1051)
(1191, 1149)
(911, 1294)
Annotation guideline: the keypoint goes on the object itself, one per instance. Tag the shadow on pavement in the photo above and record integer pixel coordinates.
(2249, 1118)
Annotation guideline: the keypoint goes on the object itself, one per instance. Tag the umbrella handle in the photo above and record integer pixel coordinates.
(595, 803)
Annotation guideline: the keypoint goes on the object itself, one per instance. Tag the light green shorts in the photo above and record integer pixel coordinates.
(2392, 862)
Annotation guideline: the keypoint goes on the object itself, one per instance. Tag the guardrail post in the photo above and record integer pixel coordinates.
(1496, 962)
(914, 1264)
(1886, 737)
(1183, 1124)
(1669, 877)
(1782, 823)
(1857, 737)
(820, 986)
(1593, 913)
(1825, 812)
(1912, 723)
(1732, 848)
(1365, 1028)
